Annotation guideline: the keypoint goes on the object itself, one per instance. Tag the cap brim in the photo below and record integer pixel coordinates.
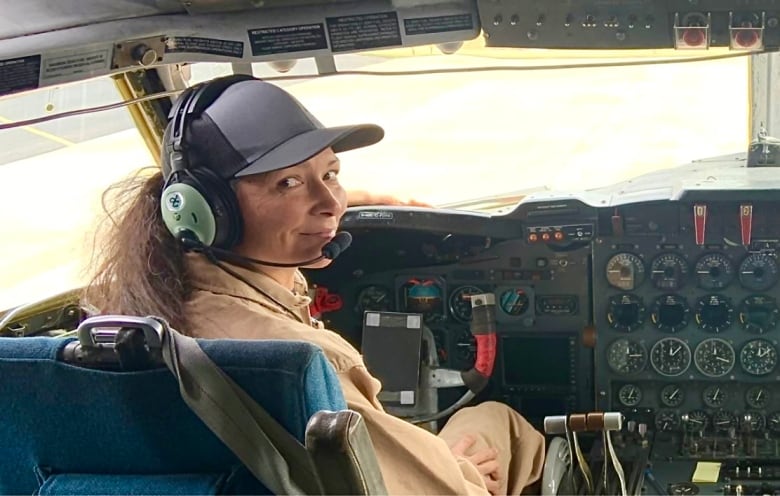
(308, 144)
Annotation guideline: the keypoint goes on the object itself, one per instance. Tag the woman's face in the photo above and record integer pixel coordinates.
(290, 214)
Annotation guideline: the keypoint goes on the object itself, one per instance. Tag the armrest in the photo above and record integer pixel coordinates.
(343, 453)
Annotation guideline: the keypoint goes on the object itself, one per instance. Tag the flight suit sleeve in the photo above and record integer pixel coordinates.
(412, 460)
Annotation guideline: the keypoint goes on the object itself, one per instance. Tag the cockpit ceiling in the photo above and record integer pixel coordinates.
(45, 42)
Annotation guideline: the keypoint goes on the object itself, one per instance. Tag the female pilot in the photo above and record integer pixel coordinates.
(250, 190)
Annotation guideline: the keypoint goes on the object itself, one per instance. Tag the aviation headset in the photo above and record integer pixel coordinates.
(198, 206)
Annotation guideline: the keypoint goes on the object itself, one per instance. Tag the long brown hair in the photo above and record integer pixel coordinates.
(139, 266)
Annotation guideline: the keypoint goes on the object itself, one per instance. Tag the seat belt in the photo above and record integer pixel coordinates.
(266, 448)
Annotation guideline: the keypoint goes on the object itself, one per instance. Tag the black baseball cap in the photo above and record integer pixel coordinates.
(254, 126)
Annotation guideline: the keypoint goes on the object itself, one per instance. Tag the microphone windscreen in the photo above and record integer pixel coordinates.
(338, 244)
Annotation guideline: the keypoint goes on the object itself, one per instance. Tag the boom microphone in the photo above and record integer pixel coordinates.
(335, 246)
(331, 250)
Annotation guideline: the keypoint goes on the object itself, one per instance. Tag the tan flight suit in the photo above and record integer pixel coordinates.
(412, 460)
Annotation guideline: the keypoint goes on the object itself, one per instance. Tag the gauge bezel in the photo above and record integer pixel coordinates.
(680, 278)
(638, 271)
(700, 349)
(628, 342)
(684, 348)
(715, 283)
(457, 292)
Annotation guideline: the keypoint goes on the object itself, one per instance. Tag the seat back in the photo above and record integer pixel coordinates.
(66, 429)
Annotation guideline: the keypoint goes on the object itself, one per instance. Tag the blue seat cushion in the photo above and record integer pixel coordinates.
(59, 418)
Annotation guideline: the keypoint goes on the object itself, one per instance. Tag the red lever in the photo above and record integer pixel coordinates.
(746, 223)
(700, 222)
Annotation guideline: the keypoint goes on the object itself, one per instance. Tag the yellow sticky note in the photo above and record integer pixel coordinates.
(706, 472)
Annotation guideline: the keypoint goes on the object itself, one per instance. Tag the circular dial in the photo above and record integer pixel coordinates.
(460, 302)
(722, 421)
(423, 296)
(625, 312)
(668, 271)
(753, 421)
(758, 357)
(514, 301)
(714, 313)
(374, 298)
(774, 422)
(629, 395)
(670, 357)
(757, 397)
(626, 357)
(667, 421)
(714, 357)
(672, 395)
(465, 348)
(670, 313)
(714, 271)
(758, 314)
(625, 271)
(695, 420)
(758, 272)
(714, 396)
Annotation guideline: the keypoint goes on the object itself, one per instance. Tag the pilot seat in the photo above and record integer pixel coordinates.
(120, 410)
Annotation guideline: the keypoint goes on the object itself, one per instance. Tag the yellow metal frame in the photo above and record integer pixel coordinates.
(148, 124)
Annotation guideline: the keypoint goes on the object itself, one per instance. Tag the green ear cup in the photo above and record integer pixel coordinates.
(185, 209)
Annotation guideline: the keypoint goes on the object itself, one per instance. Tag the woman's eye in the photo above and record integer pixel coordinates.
(289, 182)
(330, 175)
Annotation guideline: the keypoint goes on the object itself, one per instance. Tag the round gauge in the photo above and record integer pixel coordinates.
(625, 312)
(625, 271)
(672, 395)
(722, 421)
(758, 314)
(629, 395)
(758, 272)
(668, 271)
(423, 296)
(714, 357)
(695, 420)
(667, 421)
(683, 489)
(465, 348)
(758, 357)
(774, 422)
(670, 313)
(714, 396)
(757, 397)
(626, 357)
(514, 301)
(753, 421)
(714, 271)
(374, 298)
(460, 302)
(714, 313)
(670, 356)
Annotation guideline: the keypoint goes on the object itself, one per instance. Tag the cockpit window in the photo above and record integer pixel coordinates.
(476, 129)
(52, 176)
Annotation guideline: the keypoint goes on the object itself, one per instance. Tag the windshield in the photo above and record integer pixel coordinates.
(450, 137)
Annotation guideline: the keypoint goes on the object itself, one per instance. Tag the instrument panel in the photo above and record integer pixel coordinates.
(665, 309)
(686, 304)
(537, 285)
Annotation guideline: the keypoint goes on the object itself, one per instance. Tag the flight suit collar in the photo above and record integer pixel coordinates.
(207, 276)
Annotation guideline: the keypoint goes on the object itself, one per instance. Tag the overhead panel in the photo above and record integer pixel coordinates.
(615, 24)
(211, 31)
